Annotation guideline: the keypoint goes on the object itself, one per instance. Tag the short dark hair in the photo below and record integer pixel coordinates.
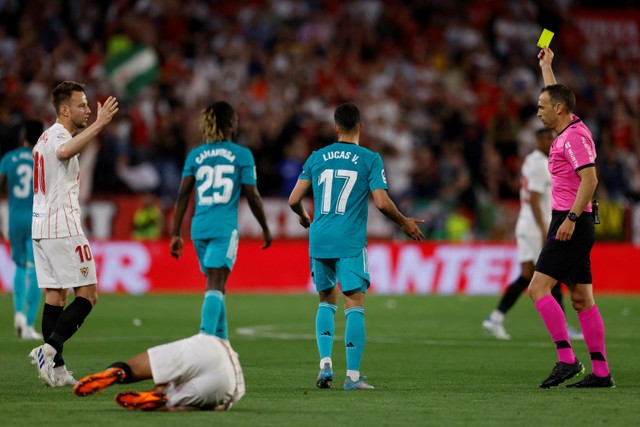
(347, 116)
(32, 131)
(214, 118)
(62, 93)
(562, 94)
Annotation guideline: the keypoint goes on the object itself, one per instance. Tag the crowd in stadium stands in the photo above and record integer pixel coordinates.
(448, 89)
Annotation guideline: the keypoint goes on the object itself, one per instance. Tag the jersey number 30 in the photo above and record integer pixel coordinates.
(216, 186)
(326, 180)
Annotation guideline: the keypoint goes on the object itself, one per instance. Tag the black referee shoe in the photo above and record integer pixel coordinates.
(562, 372)
(593, 381)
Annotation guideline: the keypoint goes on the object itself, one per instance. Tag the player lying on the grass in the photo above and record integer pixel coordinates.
(201, 372)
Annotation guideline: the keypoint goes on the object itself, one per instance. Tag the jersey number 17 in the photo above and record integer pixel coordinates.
(326, 181)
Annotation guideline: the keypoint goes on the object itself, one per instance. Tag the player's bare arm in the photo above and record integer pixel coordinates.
(295, 201)
(176, 246)
(545, 59)
(257, 209)
(79, 142)
(388, 208)
(536, 207)
(588, 184)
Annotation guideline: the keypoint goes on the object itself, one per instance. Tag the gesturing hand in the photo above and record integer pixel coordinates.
(107, 110)
(411, 229)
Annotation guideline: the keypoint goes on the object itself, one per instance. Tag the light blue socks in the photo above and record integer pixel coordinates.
(212, 307)
(34, 296)
(221, 330)
(325, 328)
(19, 289)
(354, 337)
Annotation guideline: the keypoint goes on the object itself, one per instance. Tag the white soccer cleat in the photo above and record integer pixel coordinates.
(496, 329)
(44, 363)
(63, 377)
(19, 323)
(28, 333)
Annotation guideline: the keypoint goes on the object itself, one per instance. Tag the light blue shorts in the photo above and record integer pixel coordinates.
(217, 252)
(352, 273)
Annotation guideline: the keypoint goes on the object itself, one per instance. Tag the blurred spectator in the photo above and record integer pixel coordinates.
(289, 168)
(425, 75)
(148, 220)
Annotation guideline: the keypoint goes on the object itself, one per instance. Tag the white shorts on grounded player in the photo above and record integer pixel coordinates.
(201, 370)
(64, 263)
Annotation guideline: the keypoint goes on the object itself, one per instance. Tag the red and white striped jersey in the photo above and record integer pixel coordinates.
(56, 209)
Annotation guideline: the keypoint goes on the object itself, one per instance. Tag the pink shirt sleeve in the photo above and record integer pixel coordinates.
(579, 150)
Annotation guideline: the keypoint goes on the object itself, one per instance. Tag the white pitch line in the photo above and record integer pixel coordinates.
(271, 332)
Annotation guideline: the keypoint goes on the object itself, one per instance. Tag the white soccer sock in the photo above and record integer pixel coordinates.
(496, 316)
(325, 360)
(49, 350)
(354, 375)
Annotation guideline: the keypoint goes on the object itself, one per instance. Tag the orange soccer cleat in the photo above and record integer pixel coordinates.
(98, 381)
(141, 400)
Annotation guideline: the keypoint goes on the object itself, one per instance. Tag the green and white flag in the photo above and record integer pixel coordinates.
(132, 70)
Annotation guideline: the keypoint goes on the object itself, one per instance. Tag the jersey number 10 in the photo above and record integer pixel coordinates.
(38, 174)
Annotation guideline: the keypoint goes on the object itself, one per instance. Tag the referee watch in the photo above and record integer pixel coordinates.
(572, 217)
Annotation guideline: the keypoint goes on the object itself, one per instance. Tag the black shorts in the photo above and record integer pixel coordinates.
(568, 261)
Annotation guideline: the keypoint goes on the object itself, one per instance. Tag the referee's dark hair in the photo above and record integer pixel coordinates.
(32, 129)
(347, 116)
(559, 93)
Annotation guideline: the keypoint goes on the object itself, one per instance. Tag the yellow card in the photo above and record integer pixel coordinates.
(545, 38)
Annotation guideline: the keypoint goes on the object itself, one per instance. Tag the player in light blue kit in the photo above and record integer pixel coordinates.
(341, 177)
(219, 169)
(16, 168)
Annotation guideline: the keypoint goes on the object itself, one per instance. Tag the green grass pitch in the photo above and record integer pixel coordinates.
(428, 358)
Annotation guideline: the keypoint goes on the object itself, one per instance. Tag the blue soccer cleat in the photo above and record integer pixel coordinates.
(349, 384)
(325, 377)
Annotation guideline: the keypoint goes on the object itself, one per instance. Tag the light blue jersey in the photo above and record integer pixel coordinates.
(342, 175)
(219, 169)
(17, 166)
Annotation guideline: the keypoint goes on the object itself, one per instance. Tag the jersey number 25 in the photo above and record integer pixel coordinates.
(216, 185)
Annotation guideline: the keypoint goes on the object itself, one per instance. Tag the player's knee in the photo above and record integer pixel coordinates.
(535, 292)
(90, 293)
(580, 304)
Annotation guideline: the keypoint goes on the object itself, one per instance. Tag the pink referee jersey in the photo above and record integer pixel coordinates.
(571, 151)
(56, 210)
